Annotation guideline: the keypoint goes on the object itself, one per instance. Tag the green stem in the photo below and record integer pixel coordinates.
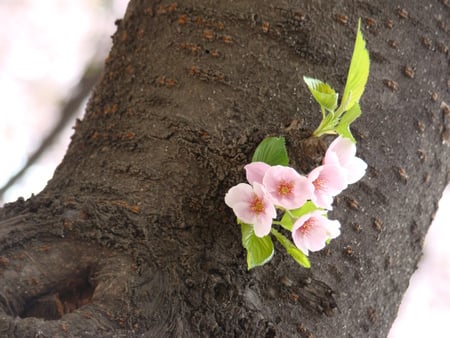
(290, 214)
(291, 249)
(280, 238)
(318, 132)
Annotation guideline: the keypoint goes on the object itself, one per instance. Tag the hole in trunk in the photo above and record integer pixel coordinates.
(66, 297)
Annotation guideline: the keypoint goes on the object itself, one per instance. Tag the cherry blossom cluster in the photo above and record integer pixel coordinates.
(281, 187)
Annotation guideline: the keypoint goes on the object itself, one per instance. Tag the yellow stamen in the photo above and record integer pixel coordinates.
(304, 229)
(319, 184)
(257, 205)
(285, 188)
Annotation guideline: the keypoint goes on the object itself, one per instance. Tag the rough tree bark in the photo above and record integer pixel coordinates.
(131, 236)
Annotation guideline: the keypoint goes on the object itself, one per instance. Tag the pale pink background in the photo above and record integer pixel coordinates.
(44, 47)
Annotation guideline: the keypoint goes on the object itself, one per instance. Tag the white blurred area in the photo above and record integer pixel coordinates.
(425, 309)
(45, 46)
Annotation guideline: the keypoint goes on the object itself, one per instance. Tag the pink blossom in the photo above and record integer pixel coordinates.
(255, 171)
(252, 205)
(311, 231)
(342, 152)
(328, 181)
(287, 187)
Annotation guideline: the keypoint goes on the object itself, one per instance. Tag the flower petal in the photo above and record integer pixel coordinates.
(343, 148)
(356, 169)
(322, 201)
(334, 177)
(342, 152)
(238, 193)
(252, 205)
(333, 228)
(255, 171)
(317, 237)
(311, 231)
(287, 187)
(328, 181)
(263, 225)
(244, 213)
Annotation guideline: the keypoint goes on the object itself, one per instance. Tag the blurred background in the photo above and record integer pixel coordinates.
(51, 53)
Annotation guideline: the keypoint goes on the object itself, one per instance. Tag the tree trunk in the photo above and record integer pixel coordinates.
(131, 237)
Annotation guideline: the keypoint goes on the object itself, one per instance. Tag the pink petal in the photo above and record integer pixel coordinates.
(342, 152)
(344, 149)
(244, 213)
(299, 191)
(262, 226)
(317, 237)
(331, 158)
(300, 221)
(300, 242)
(328, 181)
(261, 192)
(319, 230)
(305, 191)
(322, 201)
(255, 171)
(314, 174)
(335, 178)
(238, 194)
(240, 199)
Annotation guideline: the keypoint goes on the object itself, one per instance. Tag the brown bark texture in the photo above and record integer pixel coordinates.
(131, 237)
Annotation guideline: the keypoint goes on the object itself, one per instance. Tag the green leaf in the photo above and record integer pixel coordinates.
(259, 249)
(351, 115)
(299, 256)
(291, 249)
(358, 73)
(290, 216)
(304, 209)
(272, 150)
(322, 93)
(286, 221)
(327, 125)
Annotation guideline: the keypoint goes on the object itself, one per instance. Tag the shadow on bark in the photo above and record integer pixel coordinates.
(60, 285)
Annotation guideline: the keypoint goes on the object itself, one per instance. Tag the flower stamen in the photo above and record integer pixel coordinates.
(285, 188)
(304, 229)
(257, 205)
(319, 184)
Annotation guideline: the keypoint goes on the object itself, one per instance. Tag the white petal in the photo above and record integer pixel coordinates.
(242, 211)
(238, 193)
(263, 226)
(333, 228)
(344, 149)
(356, 169)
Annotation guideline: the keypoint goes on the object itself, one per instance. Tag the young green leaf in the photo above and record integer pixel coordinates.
(298, 256)
(291, 249)
(327, 125)
(286, 221)
(290, 216)
(358, 73)
(304, 209)
(322, 92)
(259, 249)
(271, 150)
(351, 115)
